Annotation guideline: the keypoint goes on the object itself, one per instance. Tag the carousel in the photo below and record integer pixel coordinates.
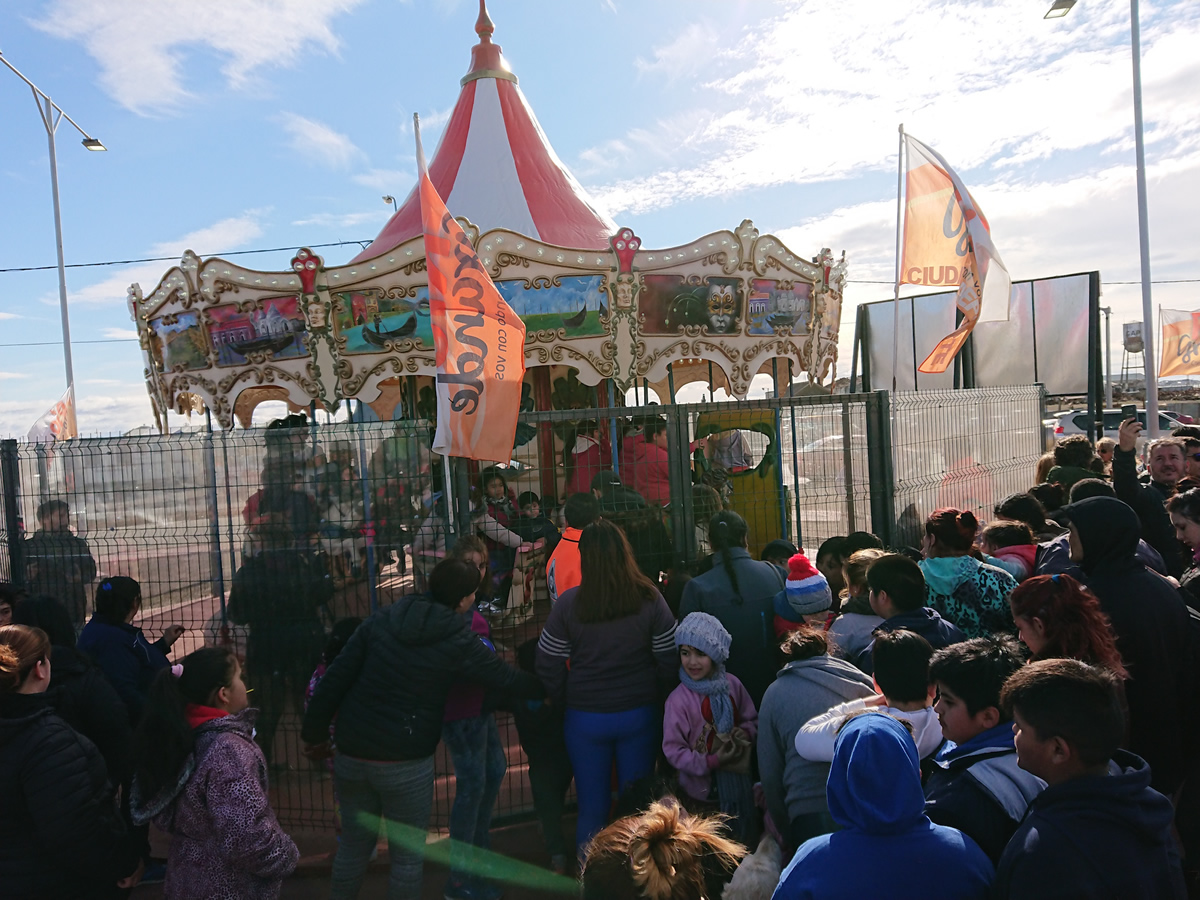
(598, 306)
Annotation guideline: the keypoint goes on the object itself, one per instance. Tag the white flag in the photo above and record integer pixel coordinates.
(57, 422)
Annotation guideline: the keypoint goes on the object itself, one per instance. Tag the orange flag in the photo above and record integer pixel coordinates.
(478, 340)
(947, 242)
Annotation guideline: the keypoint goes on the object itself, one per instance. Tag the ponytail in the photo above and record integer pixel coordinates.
(953, 529)
(726, 531)
(21, 648)
(164, 739)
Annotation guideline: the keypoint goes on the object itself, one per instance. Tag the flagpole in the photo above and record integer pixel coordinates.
(896, 293)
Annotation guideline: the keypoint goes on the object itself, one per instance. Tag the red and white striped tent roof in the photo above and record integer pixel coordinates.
(495, 166)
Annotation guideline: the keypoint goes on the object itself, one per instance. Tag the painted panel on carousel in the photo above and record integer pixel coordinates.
(368, 321)
(179, 342)
(772, 306)
(276, 328)
(574, 304)
(671, 302)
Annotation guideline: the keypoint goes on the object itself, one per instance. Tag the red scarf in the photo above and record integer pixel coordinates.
(197, 715)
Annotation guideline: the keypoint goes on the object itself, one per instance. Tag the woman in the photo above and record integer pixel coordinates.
(740, 592)
(810, 683)
(1185, 516)
(850, 632)
(619, 636)
(388, 690)
(662, 854)
(61, 835)
(492, 519)
(706, 503)
(202, 779)
(119, 648)
(1058, 618)
(971, 594)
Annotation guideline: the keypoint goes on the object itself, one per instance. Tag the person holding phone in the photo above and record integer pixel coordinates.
(1166, 464)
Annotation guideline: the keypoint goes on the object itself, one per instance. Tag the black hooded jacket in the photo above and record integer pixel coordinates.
(1153, 629)
(388, 686)
(1094, 837)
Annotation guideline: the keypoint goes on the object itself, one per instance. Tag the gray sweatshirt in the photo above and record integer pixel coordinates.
(803, 689)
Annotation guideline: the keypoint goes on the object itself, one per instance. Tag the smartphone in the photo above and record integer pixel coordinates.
(1128, 411)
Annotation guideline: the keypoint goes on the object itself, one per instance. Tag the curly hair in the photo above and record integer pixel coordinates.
(1075, 450)
(662, 854)
(1075, 626)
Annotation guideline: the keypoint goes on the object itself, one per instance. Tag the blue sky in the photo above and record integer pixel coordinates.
(236, 126)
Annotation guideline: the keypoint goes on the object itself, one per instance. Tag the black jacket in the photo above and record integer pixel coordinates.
(1149, 502)
(82, 696)
(1094, 838)
(924, 621)
(61, 835)
(388, 686)
(1153, 628)
(127, 659)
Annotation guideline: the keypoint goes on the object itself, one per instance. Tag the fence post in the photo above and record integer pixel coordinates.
(10, 473)
(214, 515)
(364, 480)
(683, 535)
(882, 476)
(848, 467)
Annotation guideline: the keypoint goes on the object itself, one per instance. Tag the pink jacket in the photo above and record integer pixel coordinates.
(688, 734)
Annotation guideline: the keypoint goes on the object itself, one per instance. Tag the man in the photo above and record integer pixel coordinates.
(613, 495)
(58, 563)
(1191, 462)
(1152, 627)
(1149, 500)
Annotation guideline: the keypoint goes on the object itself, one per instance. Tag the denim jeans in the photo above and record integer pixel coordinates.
(402, 794)
(479, 767)
(594, 740)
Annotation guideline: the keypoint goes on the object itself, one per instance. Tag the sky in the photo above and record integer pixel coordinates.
(243, 125)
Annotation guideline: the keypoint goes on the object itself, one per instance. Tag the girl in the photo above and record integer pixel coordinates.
(61, 835)
(1185, 516)
(201, 778)
(1057, 617)
(710, 725)
(850, 632)
(969, 593)
(492, 519)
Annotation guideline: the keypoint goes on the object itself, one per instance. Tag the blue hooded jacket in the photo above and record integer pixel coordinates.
(888, 847)
(1095, 838)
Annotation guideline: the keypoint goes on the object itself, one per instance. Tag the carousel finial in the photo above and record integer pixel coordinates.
(483, 25)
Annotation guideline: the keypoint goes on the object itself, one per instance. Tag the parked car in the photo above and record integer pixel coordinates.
(1075, 421)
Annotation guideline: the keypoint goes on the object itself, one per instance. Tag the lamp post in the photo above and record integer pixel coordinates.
(52, 116)
(1108, 379)
(1059, 9)
(388, 198)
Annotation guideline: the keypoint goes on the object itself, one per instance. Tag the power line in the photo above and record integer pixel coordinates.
(126, 262)
(59, 343)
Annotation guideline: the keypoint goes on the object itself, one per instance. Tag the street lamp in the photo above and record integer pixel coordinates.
(47, 108)
(1150, 368)
(388, 198)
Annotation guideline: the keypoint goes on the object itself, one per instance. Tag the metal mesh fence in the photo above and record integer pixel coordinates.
(362, 508)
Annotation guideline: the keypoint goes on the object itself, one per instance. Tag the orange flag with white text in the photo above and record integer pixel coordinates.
(479, 341)
(948, 243)
(1180, 342)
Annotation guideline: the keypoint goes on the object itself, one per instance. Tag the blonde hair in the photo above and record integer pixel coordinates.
(21, 648)
(661, 854)
(1044, 464)
(854, 569)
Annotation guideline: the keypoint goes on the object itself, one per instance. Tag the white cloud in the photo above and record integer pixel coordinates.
(5, 376)
(120, 334)
(7, 315)
(688, 54)
(227, 234)
(345, 220)
(396, 182)
(318, 142)
(140, 47)
(811, 94)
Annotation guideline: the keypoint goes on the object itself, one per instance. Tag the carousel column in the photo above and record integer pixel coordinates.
(547, 459)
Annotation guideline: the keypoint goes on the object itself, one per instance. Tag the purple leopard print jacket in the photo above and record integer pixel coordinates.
(225, 839)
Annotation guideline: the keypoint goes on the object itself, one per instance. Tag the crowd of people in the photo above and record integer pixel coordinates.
(1005, 711)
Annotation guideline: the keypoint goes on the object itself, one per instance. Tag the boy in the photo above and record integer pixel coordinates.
(901, 662)
(562, 571)
(887, 847)
(975, 784)
(532, 525)
(1098, 830)
(898, 597)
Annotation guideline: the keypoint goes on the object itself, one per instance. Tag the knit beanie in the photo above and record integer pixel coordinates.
(807, 590)
(706, 634)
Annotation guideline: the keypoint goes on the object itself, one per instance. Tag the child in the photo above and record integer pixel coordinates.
(887, 847)
(562, 571)
(540, 730)
(1009, 546)
(778, 552)
(898, 597)
(201, 778)
(532, 524)
(804, 600)
(709, 725)
(851, 630)
(975, 784)
(901, 662)
(494, 519)
(1098, 827)
(341, 632)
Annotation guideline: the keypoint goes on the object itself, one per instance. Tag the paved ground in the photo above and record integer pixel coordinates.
(519, 852)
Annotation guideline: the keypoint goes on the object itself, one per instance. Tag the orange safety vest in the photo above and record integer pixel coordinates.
(562, 571)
